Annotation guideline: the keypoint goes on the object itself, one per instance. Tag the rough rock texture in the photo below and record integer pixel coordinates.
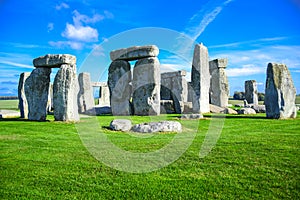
(54, 60)
(200, 79)
(119, 78)
(23, 105)
(258, 108)
(192, 116)
(102, 110)
(86, 101)
(65, 90)
(163, 126)
(174, 87)
(219, 87)
(36, 90)
(120, 125)
(167, 107)
(190, 92)
(134, 53)
(146, 87)
(280, 92)
(251, 92)
(104, 96)
(247, 111)
(9, 114)
(216, 109)
(230, 111)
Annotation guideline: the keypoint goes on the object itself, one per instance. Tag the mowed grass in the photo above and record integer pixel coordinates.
(254, 158)
(9, 104)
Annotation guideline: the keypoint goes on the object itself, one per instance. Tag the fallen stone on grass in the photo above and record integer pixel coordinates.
(9, 114)
(230, 111)
(192, 116)
(247, 111)
(120, 125)
(153, 127)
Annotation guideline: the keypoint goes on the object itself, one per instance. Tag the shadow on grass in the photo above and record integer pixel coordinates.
(235, 116)
(19, 120)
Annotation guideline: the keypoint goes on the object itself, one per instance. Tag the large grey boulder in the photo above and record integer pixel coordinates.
(86, 101)
(251, 92)
(9, 114)
(120, 125)
(200, 79)
(54, 60)
(192, 116)
(280, 92)
(153, 127)
(36, 90)
(134, 53)
(247, 111)
(146, 87)
(23, 104)
(219, 87)
(119, 78)
(65, 90)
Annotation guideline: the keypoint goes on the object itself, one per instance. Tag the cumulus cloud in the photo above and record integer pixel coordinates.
(245, 70)
(61, 6)
(80, 33)
(63, 44)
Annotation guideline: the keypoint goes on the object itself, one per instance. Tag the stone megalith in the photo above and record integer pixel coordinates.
(174, 87)
(104, 95)
(65, 90)
(280, 93)
(219, 87)
(251, 92)
(134, 53)
(36, 90)
(23, 104)
(146, 87)
(119, 78)
(86, 101)
(50, 98)
(200, 79)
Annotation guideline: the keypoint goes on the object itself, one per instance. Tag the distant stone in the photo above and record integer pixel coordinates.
(54, 60)
(230, 111)
(280, 93)
(216, 109)
(9, 114)
(120, 125)
(65, 90)
(146, 87)
(247, 111)
(134, 53)
(251, 92)
(86, 101)
(259, 108)
(104, 110)
(192, 116)
(36, 90)
(167, 107)
(104, 95)
(153, 127)
(23, 104)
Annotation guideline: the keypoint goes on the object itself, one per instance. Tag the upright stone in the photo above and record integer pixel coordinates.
(219, 87)
(280, 92)
(146, 87)
(119, 78)
(36, 90)
(86, 101)
(65, 90)
(104, 96)
(251, 92)
(23, 105)
(200, 79)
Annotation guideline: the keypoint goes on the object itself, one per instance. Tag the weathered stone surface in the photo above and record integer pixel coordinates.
(280, 92)
(192, 116)
(251, 92)
(191, 92)
(174, 87)
(163, 126)
(216, 109)
(120, 125)
(230, 111)
(219, 87)
(86, 101)
(119, 78)
(23, 105)
(36, 90)
(134, 53)
(104, 96)
(146, 87)
(54, 60)
(9, 114)
(200, 79)
(258, 108)
(65, 90)
(102, 110)
(247, 111)
(167, 107)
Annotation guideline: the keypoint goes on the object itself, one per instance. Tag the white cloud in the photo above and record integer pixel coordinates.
(245, 70)
(78, 18)
(80, 33)
(15, 64)
(61, 6)
(50, 26)
(64, 44)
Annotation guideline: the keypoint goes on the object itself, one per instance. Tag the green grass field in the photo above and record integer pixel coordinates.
(254, 158)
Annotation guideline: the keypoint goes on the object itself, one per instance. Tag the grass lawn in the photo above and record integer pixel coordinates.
(9, 104)
(254, 158)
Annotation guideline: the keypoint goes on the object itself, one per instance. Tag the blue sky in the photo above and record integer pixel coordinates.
(249, 33)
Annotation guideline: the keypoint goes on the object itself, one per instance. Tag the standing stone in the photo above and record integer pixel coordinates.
(200, 79)
(104, 96)
(23, 104)
(174, 87)
(190, 92)
(86, 101)
(65, 89)
(119, 78)
(280, 92)
(219, 88)
(36, 90)
(146, 87)
(251, 92)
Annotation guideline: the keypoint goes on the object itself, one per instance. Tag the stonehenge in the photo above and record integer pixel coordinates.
(251, 92)
(23, 104)
(85, 97)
